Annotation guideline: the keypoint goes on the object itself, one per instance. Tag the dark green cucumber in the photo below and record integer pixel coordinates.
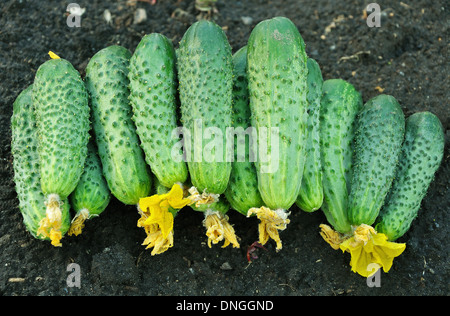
(339, 106)
(311, 192)
(380, 128)
(124, 167)
(421, 155)
(62, 116)
(92, 193)
(24, 148)
(205, 73)
(242, 192)
(153, 99)
(277, 71)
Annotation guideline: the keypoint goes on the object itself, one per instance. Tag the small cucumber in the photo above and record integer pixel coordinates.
(277, 71)
(421, 155)
(92, 195)
(124, 167)
(339, 106)
(205, 71)
(242, 192)
(24, 148)
(379, 133)
(153, 99)
(311, 192)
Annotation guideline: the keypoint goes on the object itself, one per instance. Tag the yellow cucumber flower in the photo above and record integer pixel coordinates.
(366, 247)
(271, 223)
(50, 225)
(157, 220)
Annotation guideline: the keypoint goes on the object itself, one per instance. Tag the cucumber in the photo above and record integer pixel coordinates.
(277, 71)
(205, 73)
(153, 99)
(24, 148)
(62, 117)
(380, 128)
(311, 191)
(339, 106)
(124, 166)
(242, 192)
(92, 195)
(421, 155)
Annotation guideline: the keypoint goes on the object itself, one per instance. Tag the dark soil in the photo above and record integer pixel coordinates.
(406, 57)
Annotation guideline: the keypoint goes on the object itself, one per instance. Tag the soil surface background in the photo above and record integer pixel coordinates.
(406, 57)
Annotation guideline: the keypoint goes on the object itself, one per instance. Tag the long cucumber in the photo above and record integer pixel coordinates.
(339, 106)
(24, 148)
(124, 166)
(62, 116)
(379, 133)
(311, 192)
(421, 155)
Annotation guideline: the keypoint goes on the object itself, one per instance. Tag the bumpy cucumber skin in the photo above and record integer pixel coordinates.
(124, 167)
(153, 99)
(62, 114)
(92, 192)
(421, 155)
(277, 71)
(24, 146)
(205, 71)
(242, 192)
(380, 128)
(339, 106)
(311, 191)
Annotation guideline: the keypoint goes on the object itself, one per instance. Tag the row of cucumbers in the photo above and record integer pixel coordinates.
(361, 164)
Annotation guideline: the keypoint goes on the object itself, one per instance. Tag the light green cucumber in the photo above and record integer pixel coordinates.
(205, 71)
(153, 99)
(277, 71)
(421, 155)
(92, 195)
(24, 148)
(311, 192)
(242, 192)
(339, 106)
(124, 166)
(380, 128)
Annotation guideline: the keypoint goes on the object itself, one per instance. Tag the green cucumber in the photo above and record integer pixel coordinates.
(92, 195)
(24, 148)
(205, 71)
(242, 192)
(311, 192)
(277, 71)
(380, 128)
(62, 114)
(153, 99)
(124, 166)
(421, 155)
(339, 106)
